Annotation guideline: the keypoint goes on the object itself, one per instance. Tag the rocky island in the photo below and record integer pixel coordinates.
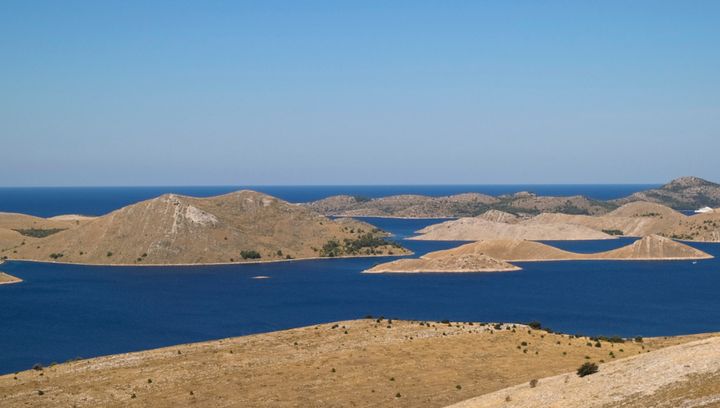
(244, 226)
(496, 255)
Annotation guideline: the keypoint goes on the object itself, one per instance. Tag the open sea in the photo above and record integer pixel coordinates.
(61, 312)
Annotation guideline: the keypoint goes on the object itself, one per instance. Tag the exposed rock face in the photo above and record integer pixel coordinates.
(685, 193)
(174, 229)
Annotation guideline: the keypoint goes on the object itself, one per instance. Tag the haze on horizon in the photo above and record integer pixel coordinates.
(321, 92)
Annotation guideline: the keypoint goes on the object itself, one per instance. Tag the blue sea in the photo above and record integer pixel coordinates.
(61, 312)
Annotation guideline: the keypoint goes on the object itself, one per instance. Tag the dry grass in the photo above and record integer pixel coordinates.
(352, 363)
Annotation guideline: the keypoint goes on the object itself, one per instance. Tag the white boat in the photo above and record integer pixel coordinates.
(704, 210)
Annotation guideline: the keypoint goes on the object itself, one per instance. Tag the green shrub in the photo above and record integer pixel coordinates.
(251, 254)
(587, 369)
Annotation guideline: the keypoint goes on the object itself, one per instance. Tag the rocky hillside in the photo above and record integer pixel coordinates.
(460, 205)
(685, 193)
(239, 227)
(478, 228)
(19, 229)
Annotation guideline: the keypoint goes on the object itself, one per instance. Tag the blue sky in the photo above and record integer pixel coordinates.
(358, 92)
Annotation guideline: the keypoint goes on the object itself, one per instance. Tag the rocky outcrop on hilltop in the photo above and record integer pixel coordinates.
(685, 193)
(236, 227)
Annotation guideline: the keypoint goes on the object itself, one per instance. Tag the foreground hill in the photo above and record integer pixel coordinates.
(460, 205)
(361, 363)
(686, 375)
(174, 229)
(494, 255)
(685, 193)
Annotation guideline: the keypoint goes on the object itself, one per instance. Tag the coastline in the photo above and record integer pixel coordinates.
(316, 258)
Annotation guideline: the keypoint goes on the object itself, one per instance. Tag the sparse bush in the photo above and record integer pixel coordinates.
(533, 383)
(587, 369)
(251, 254)
(109, 254)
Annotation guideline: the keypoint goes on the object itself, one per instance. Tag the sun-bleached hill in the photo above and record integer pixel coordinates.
(684, 375)
(475, 229)
(653, 247)
(500, 216)
(452, 261)
(496, 255)
(235, 227)
(633, 219)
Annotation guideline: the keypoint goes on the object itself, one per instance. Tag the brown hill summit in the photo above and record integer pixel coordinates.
(478, 228)
(494, 255)
(685, 193)
(240, 226)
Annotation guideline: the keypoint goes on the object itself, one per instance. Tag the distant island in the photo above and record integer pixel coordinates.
(685, 193)
(244, 226)
(496, 255)
(634, 219)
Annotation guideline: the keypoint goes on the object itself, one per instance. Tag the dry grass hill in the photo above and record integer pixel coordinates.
(494, 255)
(632, 219)
(236, 227)
(358, 363)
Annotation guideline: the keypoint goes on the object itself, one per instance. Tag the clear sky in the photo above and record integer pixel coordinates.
(358, 92)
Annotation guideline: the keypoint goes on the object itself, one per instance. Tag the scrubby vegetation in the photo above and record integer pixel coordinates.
(367, 244)
(251, 254)
(38, 232)
(613, 232)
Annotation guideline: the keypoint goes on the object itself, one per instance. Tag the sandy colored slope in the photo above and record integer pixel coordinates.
(652, 247)
(10, 238)
(686, 375)
(6, 279)
(475, 229)
(494, 255)
(632, 219)
(360, 363)
(454, 262)
(174, 229)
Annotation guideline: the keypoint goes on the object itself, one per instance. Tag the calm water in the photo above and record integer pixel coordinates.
(64, 311)
(45, 202)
